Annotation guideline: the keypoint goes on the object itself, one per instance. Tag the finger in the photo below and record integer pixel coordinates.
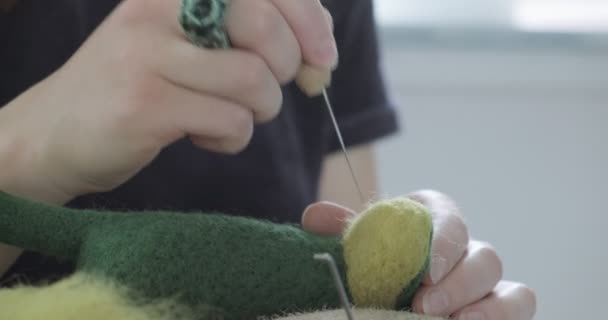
(509, 301)
(234, 75)
(158, 15)
(450, 235)
(258, 26)
(329, 18)
(326, 218)
(471, 280)
(211, 123)
(312, 30)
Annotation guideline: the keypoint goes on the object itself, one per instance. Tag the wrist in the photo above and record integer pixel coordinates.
(23, 173)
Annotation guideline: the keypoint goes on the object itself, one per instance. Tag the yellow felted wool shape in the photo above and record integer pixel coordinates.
(387, 253)
(84, 297)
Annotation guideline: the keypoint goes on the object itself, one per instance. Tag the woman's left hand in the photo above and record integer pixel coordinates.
(465, 277)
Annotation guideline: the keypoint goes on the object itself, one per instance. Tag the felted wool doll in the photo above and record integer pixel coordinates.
(84, 297)
(163, 265)
(216, 266)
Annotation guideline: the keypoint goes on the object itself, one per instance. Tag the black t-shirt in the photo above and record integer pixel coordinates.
(274, 178)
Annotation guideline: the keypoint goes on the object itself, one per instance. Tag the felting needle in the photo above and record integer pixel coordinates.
(339, 134)
(314, 81)
(338, 281)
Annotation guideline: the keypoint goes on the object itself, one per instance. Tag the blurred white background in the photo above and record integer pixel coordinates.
(532, 15)
(504, 106)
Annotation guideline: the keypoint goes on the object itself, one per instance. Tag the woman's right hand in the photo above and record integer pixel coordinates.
(137, 85)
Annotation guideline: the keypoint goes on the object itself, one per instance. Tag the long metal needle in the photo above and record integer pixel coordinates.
(337, 128)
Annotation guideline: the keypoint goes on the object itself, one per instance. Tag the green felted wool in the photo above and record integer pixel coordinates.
(231, 267)
(242, 267)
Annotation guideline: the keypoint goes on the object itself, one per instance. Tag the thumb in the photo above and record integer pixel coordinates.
(326, 218)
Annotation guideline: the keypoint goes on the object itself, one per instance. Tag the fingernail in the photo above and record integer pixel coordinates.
(328, 53)
(435, 302)
(475, 315)
(438, 265)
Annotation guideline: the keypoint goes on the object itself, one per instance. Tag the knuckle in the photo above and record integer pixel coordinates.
(442, 245)
(124, 56)
(252, 23)
(260, 90)
(500, 312)
(528, 292)
(329, 17)
(272, 108)
(419, 196)
(129, 61)
(144, 92)
(460, 231)
(288, 71)
(253, 73)
(240, 131)
(242, 124)
(436, 200)
(454, 233)
(124, 116)
(265, 21)
(425, 196)
(129, 11)
(139, 97)
(134, 12)
(278, 102)
(489, 254)
(528, 295)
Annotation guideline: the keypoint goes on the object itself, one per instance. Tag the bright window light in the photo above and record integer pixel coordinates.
(569, 16)
(443, 12)
(525, 15)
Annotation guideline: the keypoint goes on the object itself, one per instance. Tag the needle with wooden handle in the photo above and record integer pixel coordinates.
(313, 82)
(203, 23)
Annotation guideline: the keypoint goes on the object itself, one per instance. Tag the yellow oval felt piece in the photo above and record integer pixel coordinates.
(385, 248)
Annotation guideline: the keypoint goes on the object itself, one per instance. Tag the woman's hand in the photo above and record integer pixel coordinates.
(465, 277)
(137, 85)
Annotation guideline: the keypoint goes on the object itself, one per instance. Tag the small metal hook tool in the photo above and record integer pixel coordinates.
(338, 282)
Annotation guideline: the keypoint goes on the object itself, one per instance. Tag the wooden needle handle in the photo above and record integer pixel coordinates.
(313, 80)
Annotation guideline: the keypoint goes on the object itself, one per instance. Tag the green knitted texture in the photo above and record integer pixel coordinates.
(241, 267)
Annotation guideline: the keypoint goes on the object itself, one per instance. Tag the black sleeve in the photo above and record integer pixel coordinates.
(358, 93)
